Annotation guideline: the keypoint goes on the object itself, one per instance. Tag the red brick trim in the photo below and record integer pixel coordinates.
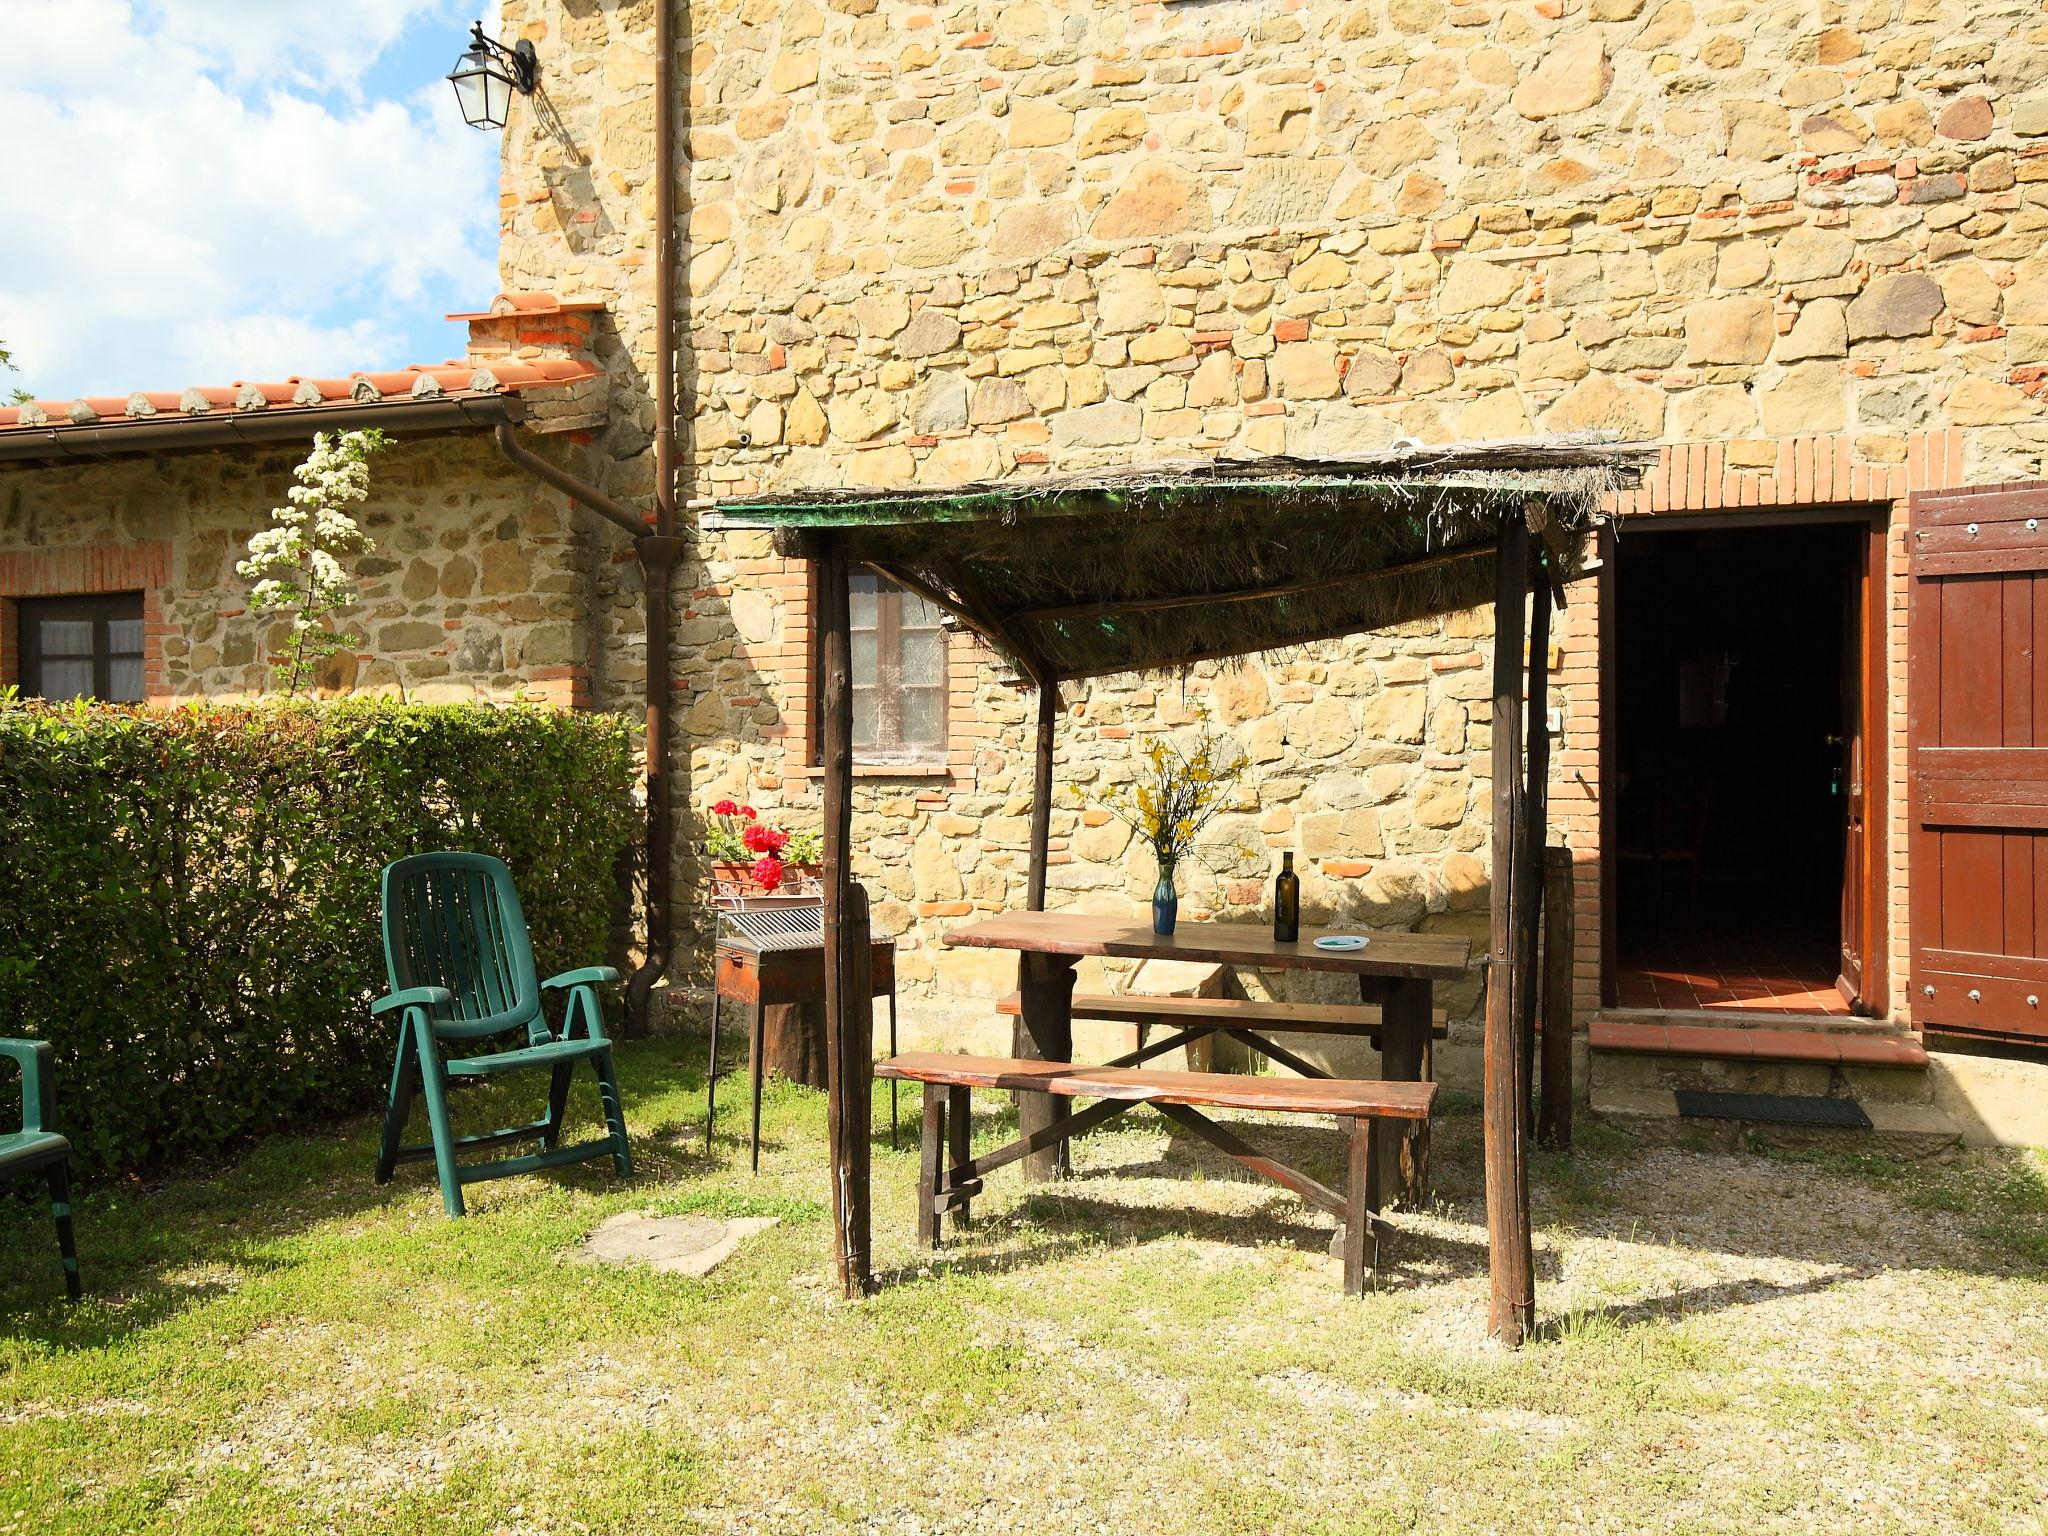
(1718, 477)
(564, 687)
(84, 570)
(1802, 471)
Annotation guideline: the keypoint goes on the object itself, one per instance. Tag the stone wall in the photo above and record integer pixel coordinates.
(927, 243)
(482, 584)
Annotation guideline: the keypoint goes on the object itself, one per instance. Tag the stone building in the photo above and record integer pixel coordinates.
(1801, 246)
(128, 514)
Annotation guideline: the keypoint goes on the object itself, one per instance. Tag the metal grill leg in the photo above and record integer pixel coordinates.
(756, 1044)
(711, 1073)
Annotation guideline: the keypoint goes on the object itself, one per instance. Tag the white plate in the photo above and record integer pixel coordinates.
(1342, 941)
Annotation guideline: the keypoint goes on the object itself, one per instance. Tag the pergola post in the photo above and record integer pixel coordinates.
(849, 1002)
(1535, 831)
(1045, 983)
(1041, 791)
(1554, 1117)
(1509, 1250)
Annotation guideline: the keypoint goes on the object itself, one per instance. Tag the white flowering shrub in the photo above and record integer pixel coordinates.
(295, 563)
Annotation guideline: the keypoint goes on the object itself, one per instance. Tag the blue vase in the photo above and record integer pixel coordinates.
(1165, 901)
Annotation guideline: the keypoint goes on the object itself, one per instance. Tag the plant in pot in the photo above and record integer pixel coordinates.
(751, 856)
(1180, 789)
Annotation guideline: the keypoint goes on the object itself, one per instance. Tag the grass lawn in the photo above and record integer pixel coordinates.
(1731, 1343)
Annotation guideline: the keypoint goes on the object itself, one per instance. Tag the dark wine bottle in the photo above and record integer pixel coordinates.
(1286, 902)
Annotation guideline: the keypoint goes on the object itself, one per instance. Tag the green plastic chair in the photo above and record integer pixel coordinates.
(38, 1146)
(460, 967)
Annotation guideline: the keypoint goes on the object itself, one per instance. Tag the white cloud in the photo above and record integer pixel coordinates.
(216, 192)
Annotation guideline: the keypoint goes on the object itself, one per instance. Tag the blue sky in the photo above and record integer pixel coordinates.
(236, 189)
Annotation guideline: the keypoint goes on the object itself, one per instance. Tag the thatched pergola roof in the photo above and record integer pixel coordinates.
(1170, 564)
(1166, 564)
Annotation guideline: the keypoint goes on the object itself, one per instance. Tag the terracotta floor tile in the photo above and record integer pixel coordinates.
(1751, 975)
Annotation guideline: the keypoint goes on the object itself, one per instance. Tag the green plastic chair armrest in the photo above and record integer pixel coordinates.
(589, 975)
(411, 997)
(38, 1090)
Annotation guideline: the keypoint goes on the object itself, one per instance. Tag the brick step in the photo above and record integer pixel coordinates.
(1741, 1042)
(1656, 1054)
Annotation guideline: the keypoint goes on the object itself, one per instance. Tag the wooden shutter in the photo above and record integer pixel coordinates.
(1977, 670)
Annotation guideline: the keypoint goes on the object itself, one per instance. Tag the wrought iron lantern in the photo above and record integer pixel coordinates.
(486, 76)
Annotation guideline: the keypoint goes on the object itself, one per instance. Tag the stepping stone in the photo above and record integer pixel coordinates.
(671, 1245)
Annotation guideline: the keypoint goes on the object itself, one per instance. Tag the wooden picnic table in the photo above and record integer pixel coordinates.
(1396, 971)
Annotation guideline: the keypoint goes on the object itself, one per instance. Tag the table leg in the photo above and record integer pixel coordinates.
(959, 1143)
(1044, 1032)
(1406, 1055)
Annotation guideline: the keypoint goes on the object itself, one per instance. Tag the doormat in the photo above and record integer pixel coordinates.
(1771, 1108)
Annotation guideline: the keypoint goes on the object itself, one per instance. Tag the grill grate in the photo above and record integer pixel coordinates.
(774, 928)
(1771, 1108)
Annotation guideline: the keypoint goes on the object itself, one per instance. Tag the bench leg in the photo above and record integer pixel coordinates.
(931, 1152)
(1361, 1239)
(67, 1241)
(959, 1147)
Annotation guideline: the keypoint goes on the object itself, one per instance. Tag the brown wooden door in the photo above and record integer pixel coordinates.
(1977, 667)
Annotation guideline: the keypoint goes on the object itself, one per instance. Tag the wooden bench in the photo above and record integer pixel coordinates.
(1243, 1020)
(949, 1176)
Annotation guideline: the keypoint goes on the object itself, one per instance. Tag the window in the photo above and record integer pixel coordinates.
(82, 647)
(899, 674)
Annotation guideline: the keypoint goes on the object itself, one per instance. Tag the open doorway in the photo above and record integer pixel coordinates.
(1740, 686)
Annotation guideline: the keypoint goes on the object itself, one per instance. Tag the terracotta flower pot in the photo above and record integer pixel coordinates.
(740, 877)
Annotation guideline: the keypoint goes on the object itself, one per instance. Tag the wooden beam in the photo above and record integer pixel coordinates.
(1554, 1121)
(1041, 792)
(1532, 835)
(1037, 1111)
(938, 599)
(976, 596)
(1510, 1254)
(849, 1004)
(1550, 569)
(1195, 1123)
(1336, 631)
(1244, 594)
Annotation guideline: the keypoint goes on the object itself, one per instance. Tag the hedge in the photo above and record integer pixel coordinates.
(189, 904)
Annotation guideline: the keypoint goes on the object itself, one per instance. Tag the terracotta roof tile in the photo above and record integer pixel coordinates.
(528, 304)
(303, 392)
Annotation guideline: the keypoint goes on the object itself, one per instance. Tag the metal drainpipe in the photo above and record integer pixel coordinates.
(658, 551)
(657, 554)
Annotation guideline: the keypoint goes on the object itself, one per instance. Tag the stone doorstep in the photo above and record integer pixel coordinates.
(1650, 1071)
(1758, 1043)
(1913, 1130)
(1723, 1018)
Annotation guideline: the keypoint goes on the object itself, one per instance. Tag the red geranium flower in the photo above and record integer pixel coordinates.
(725, 808)
(761, 838)
(748, 812)
(768, 871)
